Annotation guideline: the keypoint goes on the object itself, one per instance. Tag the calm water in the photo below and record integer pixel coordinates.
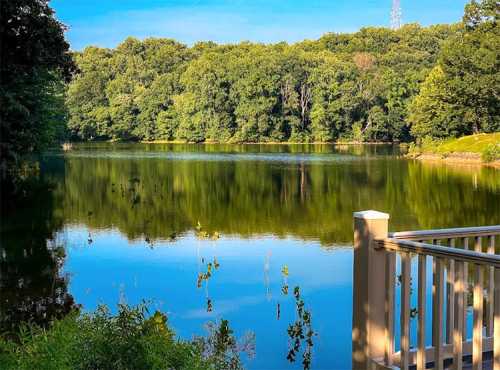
(122, 223)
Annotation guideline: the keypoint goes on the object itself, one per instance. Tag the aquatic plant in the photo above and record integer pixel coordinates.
(301, 333)
(284, 272)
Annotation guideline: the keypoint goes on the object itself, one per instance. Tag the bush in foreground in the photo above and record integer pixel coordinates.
(128, 340)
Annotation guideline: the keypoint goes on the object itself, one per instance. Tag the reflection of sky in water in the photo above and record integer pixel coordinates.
(112, 267)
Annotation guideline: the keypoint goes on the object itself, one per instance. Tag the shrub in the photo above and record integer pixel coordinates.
(414, 149)
(491, 153)
(426, 145)
(430, 144)
(129, 340)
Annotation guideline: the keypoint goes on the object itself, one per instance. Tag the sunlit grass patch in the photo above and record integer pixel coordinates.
(485, 145)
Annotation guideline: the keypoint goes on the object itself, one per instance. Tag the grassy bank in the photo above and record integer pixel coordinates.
(480, 148)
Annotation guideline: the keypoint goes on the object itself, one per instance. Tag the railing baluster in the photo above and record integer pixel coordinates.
(390, 273)
(422, 269)
(496, 324)
(450, 296)
(437, 327)
(405, 310)
(434, 301)
(477, 334)
(466, 289)
(477, 244)
(491, 289)
(459, 317)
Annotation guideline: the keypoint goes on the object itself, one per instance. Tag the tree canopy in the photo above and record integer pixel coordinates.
(341, 87)
(461, 94)
(34, 63)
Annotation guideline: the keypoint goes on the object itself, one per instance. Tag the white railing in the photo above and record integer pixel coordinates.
(374, 296)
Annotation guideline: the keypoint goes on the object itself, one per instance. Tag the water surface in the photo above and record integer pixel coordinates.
(123, 223)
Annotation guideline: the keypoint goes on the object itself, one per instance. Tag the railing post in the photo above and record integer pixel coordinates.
(369, 286)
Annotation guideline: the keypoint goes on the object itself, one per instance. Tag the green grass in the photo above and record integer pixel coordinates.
(469, 144)
(487, 145)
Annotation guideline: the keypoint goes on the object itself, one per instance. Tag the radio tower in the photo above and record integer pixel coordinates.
(396, 15)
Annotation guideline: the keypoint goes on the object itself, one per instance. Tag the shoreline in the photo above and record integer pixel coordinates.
(269, 143)
(456, 158)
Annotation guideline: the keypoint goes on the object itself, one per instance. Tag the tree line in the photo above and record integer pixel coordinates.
(373, 85)
(340, 87)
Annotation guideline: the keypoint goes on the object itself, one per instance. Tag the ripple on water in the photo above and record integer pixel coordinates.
(221, 157)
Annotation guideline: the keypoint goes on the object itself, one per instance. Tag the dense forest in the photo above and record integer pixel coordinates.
(373, 85)
(352, 86)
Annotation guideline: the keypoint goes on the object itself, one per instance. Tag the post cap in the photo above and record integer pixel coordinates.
(371, 215)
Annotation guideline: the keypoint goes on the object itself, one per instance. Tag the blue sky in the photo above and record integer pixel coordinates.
(107, 22)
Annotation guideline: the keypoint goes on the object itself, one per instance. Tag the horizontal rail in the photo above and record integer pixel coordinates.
(446, 233)
(440, 251)
(430, 353)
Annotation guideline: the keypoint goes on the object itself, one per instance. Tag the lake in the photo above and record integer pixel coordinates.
(204, 232)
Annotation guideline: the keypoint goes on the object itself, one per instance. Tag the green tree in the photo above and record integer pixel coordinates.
(87, 103)
(432, 111)
(461, 95)
(205, 108)
(34, 59)
(255, 93)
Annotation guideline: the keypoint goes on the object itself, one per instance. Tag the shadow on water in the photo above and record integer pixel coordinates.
(33, 289)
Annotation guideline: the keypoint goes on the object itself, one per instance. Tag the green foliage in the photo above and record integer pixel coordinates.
(349, 87)
(427, 144)
(491, 153)
(34, 59)
(487, 145)
(431, 112)
(460, 95)
(131, 339)
(301, 333)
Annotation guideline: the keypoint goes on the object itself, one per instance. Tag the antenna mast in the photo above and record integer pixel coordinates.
(396, 15)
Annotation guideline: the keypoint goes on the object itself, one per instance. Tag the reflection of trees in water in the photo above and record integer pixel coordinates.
(31, 285)
(472, 200)
(32, 288)
(221, 345)
(204, 277)
(284, 273)
(307, 200)
(301, 333)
